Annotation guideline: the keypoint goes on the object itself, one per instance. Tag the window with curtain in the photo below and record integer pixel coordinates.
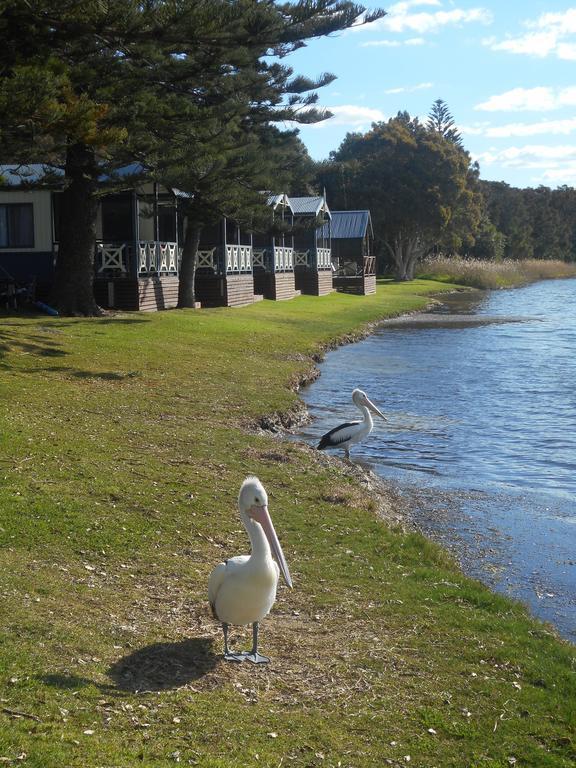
(16, 225)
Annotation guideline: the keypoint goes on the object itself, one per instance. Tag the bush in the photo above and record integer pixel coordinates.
(492, 274)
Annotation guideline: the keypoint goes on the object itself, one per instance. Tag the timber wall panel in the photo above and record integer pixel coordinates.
(314, 283)
(284, 285)
(210, 290)
(147, 294)
(278, 286)
(229, 291)
(157, 293)
(117, 294)
(369, 284)
(239, 290)
(363, 286)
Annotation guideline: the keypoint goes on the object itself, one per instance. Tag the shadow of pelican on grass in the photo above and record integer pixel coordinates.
(162, 666)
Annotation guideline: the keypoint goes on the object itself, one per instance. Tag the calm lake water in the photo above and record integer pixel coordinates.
(481, 436)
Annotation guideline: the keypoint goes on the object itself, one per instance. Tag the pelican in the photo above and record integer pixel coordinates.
(242, 590)
(352, 431)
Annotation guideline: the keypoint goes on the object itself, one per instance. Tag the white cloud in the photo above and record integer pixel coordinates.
(553, 165)
(546, 36)
(528, 155)
(393, 43)
(382, 44)
(542, 127)
(352, 116)
(565, 174)
(409, 88)
(401, 19)
(530, 99)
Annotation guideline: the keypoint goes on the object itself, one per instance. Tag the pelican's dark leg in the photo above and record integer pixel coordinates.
(347, 452)
(254, 656)
(228, 655)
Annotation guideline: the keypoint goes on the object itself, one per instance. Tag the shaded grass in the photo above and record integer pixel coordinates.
(124, 443)
(492, 274)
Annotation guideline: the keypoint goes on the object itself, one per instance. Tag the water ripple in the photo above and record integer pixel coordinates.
(489, 406)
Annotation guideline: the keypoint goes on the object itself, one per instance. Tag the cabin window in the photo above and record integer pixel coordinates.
(167, 223)
(117, 218)
(16, 225)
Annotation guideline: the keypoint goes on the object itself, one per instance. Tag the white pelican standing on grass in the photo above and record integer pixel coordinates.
(352, 432)
(242, 590)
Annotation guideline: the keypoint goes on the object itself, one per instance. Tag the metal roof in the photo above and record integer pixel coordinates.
(16, 175)
(309, 205)
(350, 224)
(276, 200)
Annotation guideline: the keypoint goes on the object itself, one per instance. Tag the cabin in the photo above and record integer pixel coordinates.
(312, 256)
(224, 266)
(137, 251)
(353, 259)
(26, 235)
(274, 253)
(136, 257)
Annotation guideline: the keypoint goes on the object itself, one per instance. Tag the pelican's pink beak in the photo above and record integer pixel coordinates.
(373, 408)
(262, 516)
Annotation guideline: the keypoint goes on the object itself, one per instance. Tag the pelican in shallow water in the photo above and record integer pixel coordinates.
(352, 431)
(242, 590)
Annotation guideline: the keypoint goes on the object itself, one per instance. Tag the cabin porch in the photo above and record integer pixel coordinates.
(274, 253)
(224, 276)
(136, 276)
(356, 276)
(274, 273)
(313, 271)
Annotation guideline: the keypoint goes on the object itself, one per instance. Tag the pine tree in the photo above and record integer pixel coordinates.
(103, 84)
(441, 121)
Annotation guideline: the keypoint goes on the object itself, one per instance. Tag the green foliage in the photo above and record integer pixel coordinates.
(441, 120)
(418, 184)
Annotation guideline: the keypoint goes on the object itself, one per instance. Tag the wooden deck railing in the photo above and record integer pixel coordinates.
(321, 258)
(353, 268)
(143, 258)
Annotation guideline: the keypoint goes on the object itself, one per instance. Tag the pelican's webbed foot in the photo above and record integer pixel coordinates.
(228, 654)
(256, 658)
(253, 655)
(234, 656)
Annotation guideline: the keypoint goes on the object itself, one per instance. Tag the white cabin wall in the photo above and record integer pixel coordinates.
(41, 199)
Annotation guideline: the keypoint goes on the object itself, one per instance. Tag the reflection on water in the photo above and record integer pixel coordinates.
(486, 409)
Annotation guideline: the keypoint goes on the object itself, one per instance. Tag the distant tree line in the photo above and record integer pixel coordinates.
(532, 223)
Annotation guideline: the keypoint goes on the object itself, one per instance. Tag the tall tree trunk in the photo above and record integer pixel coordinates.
(73, 291)
(187, 283)
(396, 250)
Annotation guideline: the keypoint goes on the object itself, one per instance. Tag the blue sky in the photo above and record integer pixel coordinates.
(507, 71)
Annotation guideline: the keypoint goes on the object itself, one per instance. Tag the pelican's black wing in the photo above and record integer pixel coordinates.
(336, 436)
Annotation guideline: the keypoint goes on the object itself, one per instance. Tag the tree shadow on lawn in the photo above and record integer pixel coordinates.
(157, 667)
(78, 374)
(28, 343)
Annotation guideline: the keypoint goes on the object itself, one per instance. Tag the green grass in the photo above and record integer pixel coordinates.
(124, 442)
(492, 274)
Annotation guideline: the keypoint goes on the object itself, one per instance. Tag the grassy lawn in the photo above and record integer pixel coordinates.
(124, 441)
